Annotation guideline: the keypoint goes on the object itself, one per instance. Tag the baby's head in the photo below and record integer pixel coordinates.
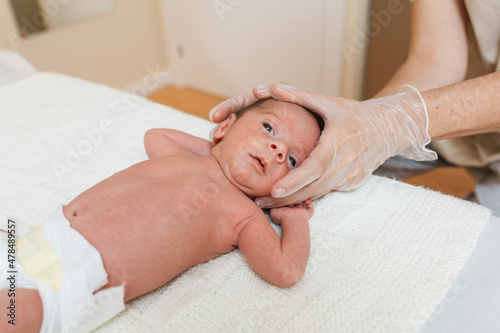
(262, 143)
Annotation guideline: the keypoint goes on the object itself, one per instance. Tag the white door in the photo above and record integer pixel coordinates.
(228, 46)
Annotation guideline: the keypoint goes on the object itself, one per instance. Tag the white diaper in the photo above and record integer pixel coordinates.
(66, 270)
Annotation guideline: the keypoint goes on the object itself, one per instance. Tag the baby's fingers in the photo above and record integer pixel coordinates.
(309, 206)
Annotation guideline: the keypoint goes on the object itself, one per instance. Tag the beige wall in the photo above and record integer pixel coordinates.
(118, 49)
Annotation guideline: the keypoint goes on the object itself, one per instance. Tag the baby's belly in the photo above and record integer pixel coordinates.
(146, 233)
(144, 253)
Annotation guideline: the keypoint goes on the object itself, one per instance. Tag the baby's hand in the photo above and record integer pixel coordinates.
(302, 210)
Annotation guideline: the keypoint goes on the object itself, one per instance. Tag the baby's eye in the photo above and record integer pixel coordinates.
(268, 128)
(293, 162)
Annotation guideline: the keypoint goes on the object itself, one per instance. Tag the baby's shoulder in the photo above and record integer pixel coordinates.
(233, 201)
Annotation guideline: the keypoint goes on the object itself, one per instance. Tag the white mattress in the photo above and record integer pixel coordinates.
(382, 258)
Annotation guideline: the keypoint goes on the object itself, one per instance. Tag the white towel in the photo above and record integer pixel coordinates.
(382, 256)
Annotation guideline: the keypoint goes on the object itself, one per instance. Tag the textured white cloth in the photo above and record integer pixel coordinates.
(382, 256)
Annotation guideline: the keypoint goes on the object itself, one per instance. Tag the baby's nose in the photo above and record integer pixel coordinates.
(279, 151)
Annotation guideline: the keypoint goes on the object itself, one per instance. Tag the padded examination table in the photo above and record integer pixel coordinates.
(387, 257)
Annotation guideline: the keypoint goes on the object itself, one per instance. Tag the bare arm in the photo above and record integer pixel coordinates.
(281, 262)
(164, 141)
(466, 108)
(437, 60)
(438, 47)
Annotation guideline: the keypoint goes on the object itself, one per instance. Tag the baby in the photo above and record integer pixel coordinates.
(189, 203)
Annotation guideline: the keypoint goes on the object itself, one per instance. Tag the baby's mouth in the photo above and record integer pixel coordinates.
(259, 162)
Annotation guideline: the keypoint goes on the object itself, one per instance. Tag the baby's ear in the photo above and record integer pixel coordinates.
(221, 130)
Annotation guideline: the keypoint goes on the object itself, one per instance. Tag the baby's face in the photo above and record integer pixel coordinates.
(264, 144)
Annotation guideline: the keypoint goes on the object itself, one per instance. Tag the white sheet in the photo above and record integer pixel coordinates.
(13, 67)
(383, 256)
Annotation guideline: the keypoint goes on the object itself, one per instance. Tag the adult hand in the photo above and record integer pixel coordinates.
(234, 104)
(238, 102)
(358, 137)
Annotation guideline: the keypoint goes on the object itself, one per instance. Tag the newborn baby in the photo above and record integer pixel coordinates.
(189, 203)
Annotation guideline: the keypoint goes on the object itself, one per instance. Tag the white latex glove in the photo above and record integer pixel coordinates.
(358, 137)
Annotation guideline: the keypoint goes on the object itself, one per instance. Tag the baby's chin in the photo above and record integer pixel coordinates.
(253, 193)
(262, 194)
(242, 176)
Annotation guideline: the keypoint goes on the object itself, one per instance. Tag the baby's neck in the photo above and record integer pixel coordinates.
(213, 156)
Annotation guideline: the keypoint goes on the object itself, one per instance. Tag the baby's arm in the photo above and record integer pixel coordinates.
(281, 262)
(164, 141)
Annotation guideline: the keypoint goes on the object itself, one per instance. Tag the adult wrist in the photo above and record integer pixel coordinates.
(417, 125)
(402, 122)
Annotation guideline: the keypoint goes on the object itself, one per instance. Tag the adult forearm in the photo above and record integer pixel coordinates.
(423, 75)
(437, 55)
(465, 108)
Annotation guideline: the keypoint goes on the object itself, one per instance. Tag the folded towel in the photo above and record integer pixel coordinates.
(382, 256)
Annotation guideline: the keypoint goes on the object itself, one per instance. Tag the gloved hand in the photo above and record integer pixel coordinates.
(234, 104)
(358, 137)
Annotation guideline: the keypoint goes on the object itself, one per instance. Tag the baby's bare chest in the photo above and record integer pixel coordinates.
(174, 199)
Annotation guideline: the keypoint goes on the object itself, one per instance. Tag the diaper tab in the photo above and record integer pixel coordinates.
(39, 260)
(67, 270)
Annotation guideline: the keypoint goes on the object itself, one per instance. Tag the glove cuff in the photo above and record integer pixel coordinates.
(413, 103)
